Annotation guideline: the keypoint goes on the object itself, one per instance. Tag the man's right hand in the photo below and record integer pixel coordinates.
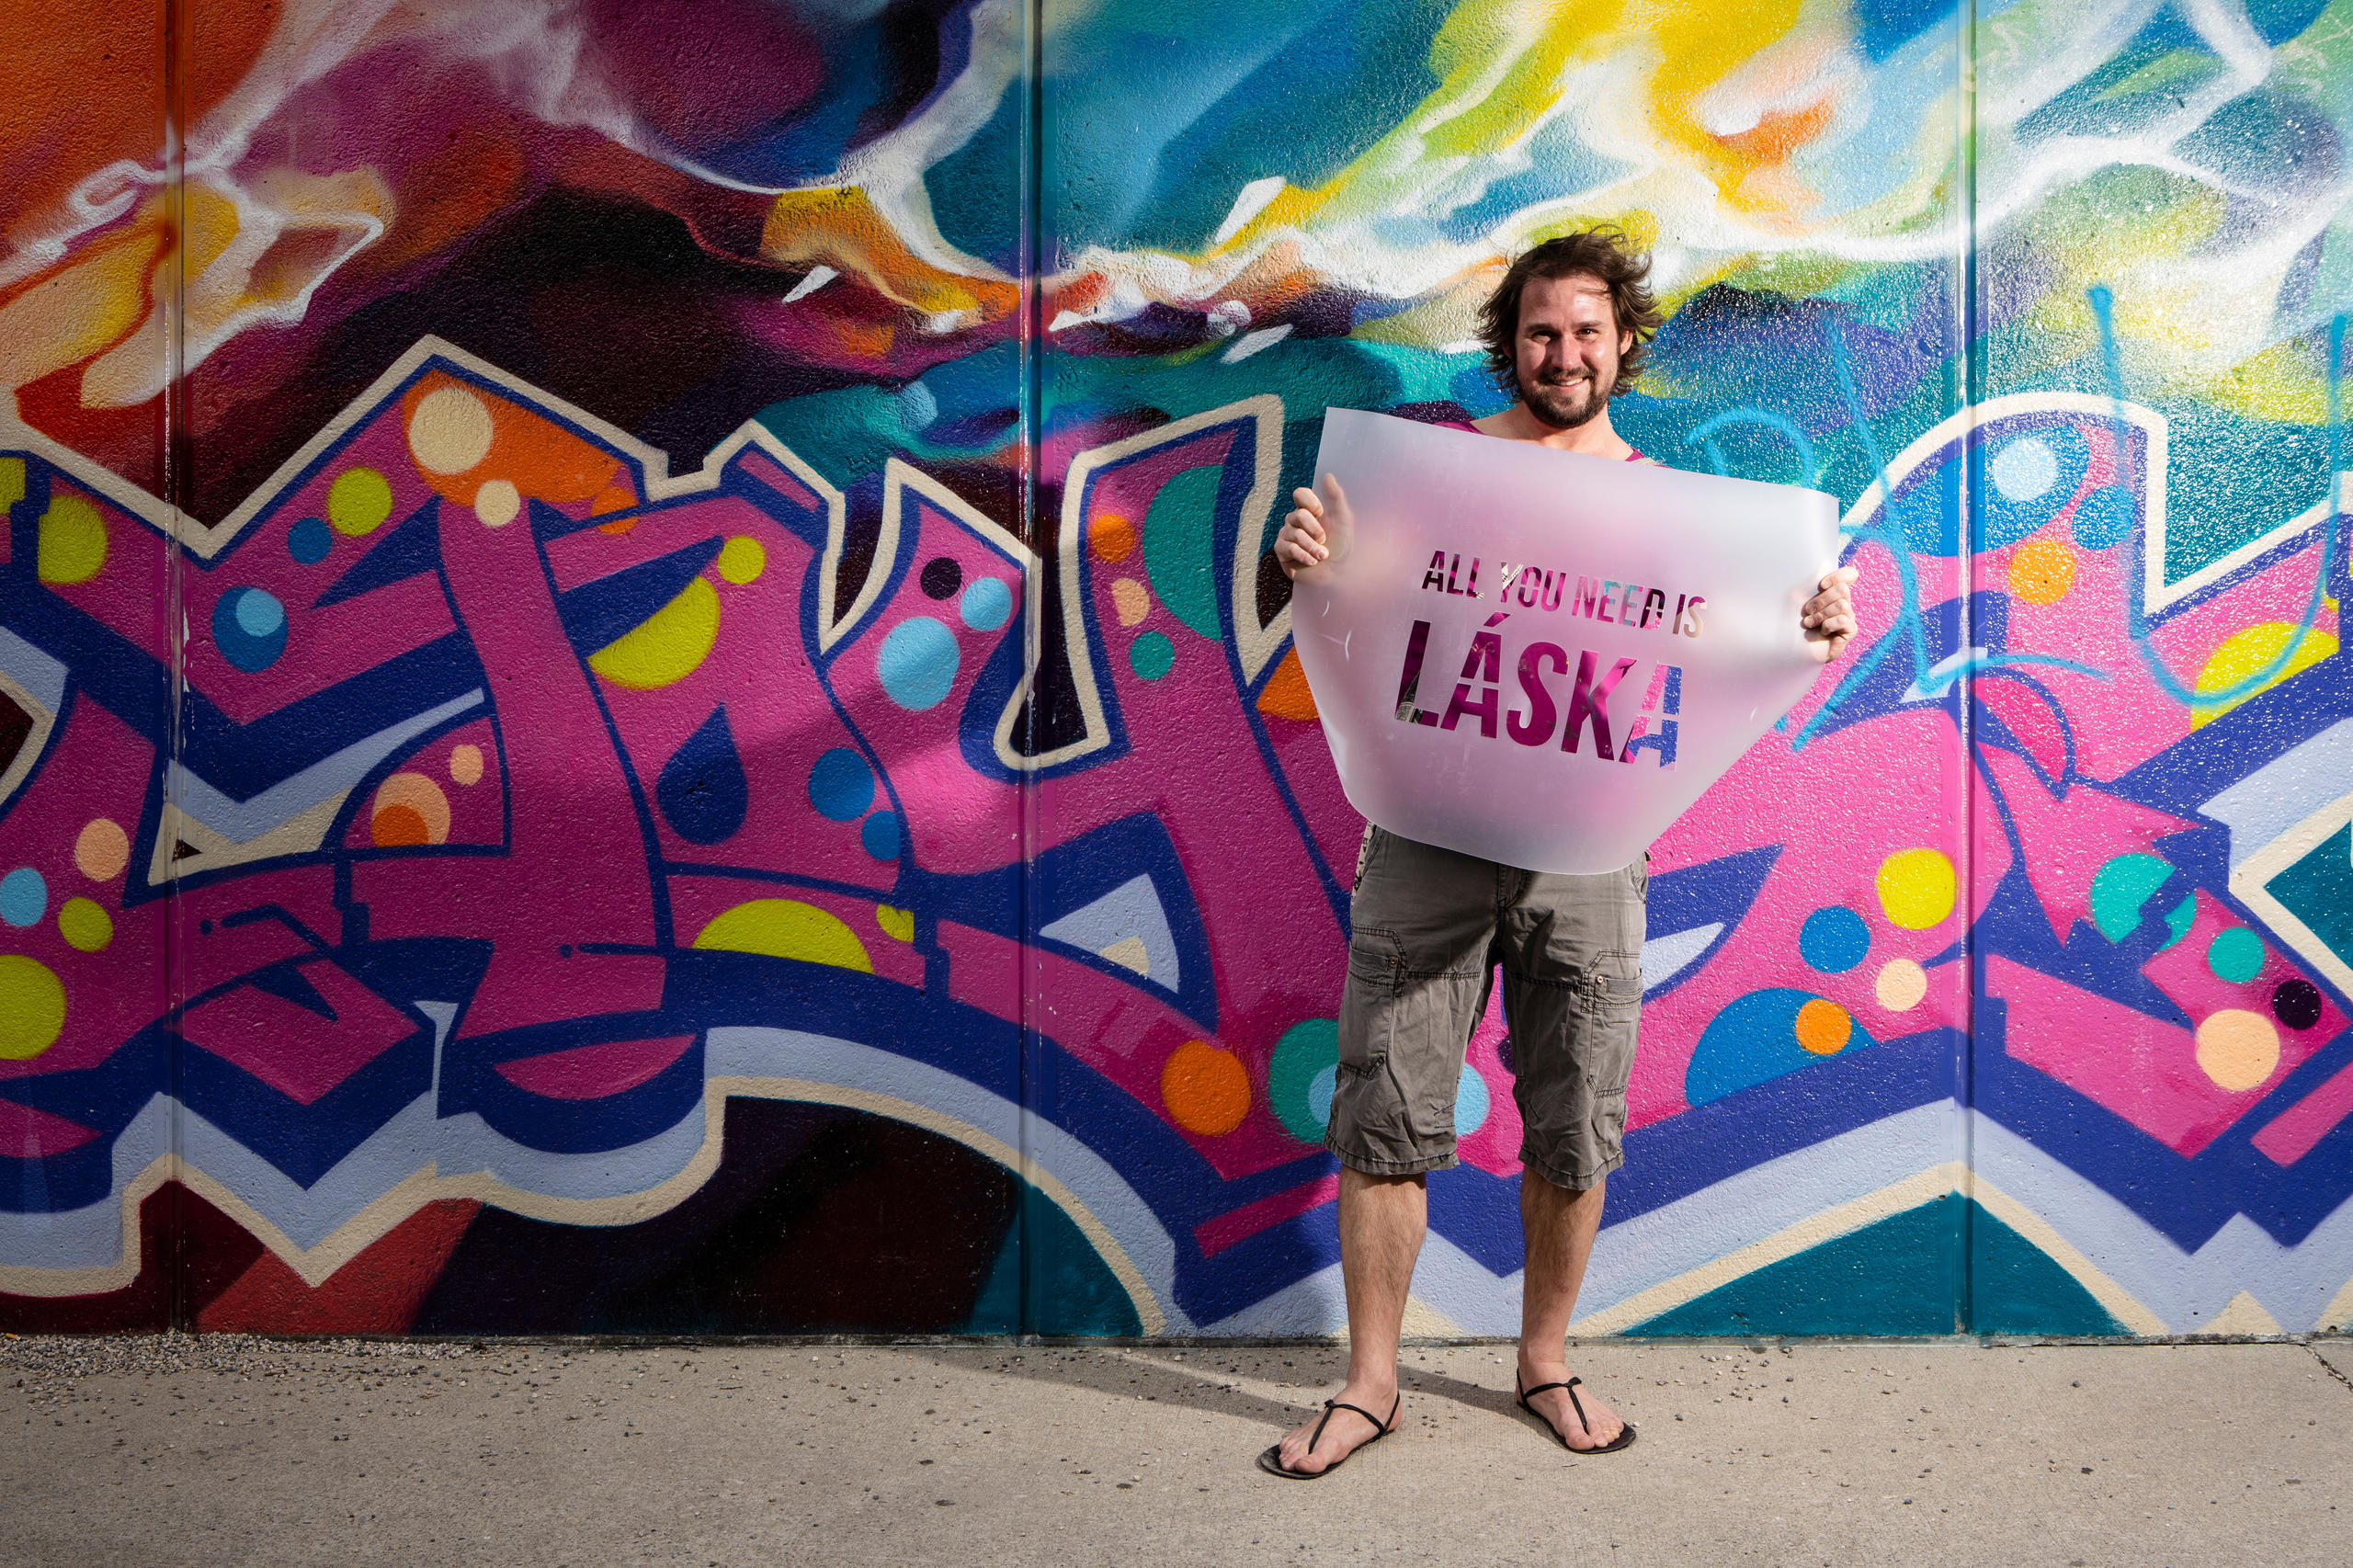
(1301, 542)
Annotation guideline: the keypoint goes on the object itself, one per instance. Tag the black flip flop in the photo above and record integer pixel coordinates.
(1271, 1461)
(1624, 1439)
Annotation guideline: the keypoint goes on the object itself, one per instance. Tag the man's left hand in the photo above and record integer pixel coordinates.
(1829, 617)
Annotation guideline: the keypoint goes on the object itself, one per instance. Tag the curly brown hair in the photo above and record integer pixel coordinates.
(1603, 252)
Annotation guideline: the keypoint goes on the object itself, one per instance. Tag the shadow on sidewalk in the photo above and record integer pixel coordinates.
(1209, 1378)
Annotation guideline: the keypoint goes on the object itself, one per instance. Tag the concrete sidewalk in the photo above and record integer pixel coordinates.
(230, 1450)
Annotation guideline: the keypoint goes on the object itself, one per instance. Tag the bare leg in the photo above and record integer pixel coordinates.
(1561, 1223)
(1382, 1223)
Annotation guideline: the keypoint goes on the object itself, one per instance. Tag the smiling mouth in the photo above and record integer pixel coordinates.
(1552, 404)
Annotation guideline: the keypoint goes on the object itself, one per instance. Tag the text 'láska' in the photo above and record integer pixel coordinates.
(1533, 714)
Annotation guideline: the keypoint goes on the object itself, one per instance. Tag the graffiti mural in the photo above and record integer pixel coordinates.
(641, 691)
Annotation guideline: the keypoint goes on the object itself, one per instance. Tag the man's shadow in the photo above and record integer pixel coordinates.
(1205, 1378)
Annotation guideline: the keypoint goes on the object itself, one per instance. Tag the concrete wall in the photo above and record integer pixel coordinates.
(640, 692)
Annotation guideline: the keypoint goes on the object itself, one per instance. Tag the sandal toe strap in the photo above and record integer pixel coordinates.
(1380, 1428)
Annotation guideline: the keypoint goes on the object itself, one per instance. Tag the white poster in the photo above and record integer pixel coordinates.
(1541, 657)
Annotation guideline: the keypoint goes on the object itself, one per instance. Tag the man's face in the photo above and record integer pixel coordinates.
(1566, 354)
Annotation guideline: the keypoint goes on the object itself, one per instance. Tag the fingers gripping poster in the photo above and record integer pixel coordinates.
(1541, 657)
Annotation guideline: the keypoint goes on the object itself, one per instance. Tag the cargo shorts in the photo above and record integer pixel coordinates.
(1430, 927)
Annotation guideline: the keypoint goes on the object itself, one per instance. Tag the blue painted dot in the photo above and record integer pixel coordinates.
(1152, 655)
(2030, 479)
(2024, 469)
(881, 836)
(24, 897)
(1319, 1095)
(986, 604)
(1834, 940)
(249, 628)
(841, 786)
(307, 541)
(2236, 955)
(259, 614)
(1470, 1103)
(2102, 518)
(917, 663)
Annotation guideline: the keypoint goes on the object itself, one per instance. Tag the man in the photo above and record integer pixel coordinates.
(1565, 333)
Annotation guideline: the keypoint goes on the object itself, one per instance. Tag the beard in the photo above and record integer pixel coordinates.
(1566, 405)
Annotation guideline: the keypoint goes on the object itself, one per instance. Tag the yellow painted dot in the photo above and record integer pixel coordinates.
(2043, 572)
(102, 850)
(1902, 985)
(86, 924)
(2237, 1049)
(1206, 1089)
(449, 430)
(32, 1007)
(1824, 1028)
(1132, 600)
(359, 501)
(743, 559)
(669, 646)
(465, 765)
(2244, 653)
(786, 928)
(497, 503)
(1916, 888)
(72, 542)
(898, 924)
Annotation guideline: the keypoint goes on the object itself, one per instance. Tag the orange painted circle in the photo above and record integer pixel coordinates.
(409, 803)
(1823, 1027)
(1112, 537)
(102, 850)
(2043, 572)
(2238, 1049)
(399, 826)
(1207, 1090)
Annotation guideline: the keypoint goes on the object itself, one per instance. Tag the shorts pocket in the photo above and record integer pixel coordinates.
(1607, 1070)
(1609, 989)
(1376, 960)
(1369, 1121)
(1609, 1128)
